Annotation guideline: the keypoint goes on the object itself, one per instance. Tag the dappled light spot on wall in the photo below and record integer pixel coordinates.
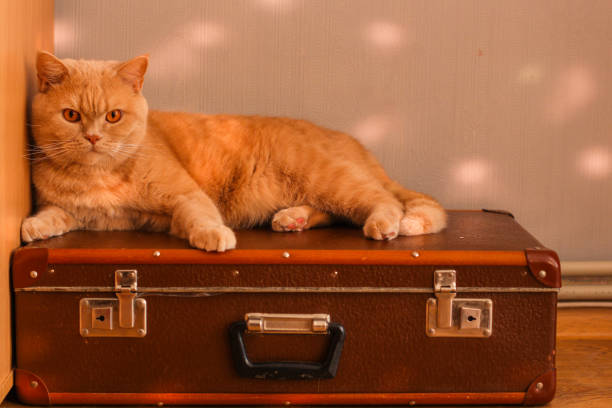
(373, 129)
(575, 89)
(63, 34)
(277, 5)
(169, 59)
(530, 74)
(595, 162)
(472, 172)
(207, 34)
(385, 35)
(174, 55)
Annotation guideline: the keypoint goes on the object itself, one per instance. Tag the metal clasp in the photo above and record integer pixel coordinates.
(125, 288)
(445, 289)
(448, 316)
(123, 316)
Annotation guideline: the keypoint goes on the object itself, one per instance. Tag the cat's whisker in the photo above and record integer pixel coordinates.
(129, 154)
(56, 153)
(138, 147)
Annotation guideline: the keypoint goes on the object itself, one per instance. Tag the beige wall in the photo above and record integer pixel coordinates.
(498, 104)
(25, 26)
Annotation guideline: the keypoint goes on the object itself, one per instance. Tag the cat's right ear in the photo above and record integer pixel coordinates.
(50, 70)
(133, 71)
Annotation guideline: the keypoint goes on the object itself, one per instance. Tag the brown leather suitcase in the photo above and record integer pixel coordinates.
(324, 316)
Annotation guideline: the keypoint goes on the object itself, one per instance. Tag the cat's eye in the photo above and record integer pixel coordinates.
(113, 116)
(71, 115)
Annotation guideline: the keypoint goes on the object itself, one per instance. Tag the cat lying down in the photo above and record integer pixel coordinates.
(103, 161)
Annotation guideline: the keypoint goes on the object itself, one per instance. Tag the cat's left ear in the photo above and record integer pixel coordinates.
(50, 70)
(133, 71)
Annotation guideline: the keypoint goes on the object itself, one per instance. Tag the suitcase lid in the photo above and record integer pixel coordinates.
(490, 238)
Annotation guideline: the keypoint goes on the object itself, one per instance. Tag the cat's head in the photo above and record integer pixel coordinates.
(89, 112)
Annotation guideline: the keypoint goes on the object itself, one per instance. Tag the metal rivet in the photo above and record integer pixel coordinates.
(431, 331)
(33, 274)
(334, 274)
(412, 403)
(51, 270)
(156, 253)
(461, 237)
(539, 386)
(235, 272)
(160, 404)
(415, 254)
(286, 254)
(34, 384)
(141, 332)
(542, 274)
(287, 402)
(84, 332)
(486, 332)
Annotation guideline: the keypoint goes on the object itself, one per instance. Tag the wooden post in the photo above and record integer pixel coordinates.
(25, 27)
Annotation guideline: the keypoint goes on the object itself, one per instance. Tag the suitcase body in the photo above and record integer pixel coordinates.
(325, 316)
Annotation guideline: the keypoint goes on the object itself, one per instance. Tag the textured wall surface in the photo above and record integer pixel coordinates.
(497, 104)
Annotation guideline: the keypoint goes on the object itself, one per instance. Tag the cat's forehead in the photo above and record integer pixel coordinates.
(91, 69)
(93, 86)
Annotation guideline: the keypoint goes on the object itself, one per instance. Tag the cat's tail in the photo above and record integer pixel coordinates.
(422, 214)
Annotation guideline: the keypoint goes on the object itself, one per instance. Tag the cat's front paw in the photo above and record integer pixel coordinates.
(424, 219)
(216, 238)
(381, 226)
(34, 228)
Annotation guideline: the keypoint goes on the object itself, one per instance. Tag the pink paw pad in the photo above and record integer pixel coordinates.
(300, 221)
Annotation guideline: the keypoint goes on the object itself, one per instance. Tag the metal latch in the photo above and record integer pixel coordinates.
(448, 316)
(287, 323)
(125, 316)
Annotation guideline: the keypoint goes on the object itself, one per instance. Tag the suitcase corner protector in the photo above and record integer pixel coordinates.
(28, 265)
(30, 388)
(542, 389)
(544, 265)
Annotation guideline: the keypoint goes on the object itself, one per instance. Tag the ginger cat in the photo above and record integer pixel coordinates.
(105, 162)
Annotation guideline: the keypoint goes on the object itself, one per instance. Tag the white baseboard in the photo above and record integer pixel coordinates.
(586, 281)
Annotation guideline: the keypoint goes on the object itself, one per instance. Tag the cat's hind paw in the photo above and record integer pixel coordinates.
(217, 238)
(290, 219)
(381, 226)
(423, 219)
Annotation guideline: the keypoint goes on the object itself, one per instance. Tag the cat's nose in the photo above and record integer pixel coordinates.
(92, 138)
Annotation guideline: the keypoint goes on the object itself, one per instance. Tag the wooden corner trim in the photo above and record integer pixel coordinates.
(6, 384)
(544, 265)
(288, 399)
(24, 262)
(274, 256)
(30, 388)
(542, 389)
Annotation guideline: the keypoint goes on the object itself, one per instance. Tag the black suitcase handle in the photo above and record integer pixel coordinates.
(286, 370)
